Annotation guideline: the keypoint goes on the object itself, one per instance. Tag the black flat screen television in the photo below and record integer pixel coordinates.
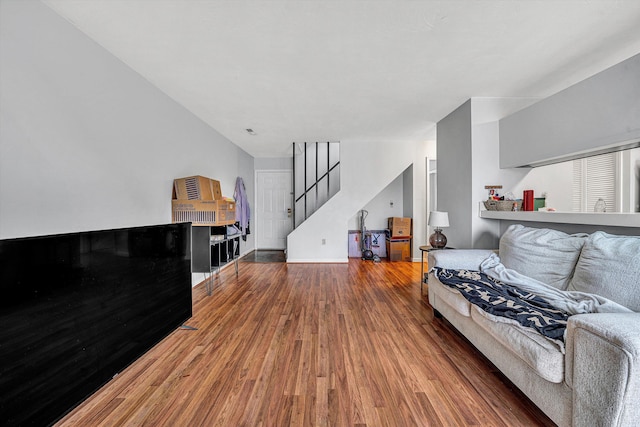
(76, 309)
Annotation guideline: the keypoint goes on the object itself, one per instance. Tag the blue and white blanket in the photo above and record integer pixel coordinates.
(500, 299)
(573, 302)
(519, 299)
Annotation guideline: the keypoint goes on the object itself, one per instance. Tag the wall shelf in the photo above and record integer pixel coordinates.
(612, 219)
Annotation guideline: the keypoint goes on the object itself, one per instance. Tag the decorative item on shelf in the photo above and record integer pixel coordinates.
(493, 194)
(505, 202)
(438, 220)
(527, 200)
(540, 203)
(502, 205)
(601, 205)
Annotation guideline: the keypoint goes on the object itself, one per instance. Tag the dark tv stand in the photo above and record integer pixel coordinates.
(212, 249)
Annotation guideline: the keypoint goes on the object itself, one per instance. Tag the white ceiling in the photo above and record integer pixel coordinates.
(318, 70)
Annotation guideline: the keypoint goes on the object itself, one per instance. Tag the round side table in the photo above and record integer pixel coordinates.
(426, 249)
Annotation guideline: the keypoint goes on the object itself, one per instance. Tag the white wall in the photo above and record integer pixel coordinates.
(484, 171)
(409, 194)
(555, 180)
(422, 151)
(273, 163)
(85, 142)
(486, 113)
(380, 208)
(411, 189)
(386, 161)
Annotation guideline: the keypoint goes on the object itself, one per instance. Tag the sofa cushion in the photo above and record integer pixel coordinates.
(450, 296)
(546, 255)
(543, 356)
(609, 266)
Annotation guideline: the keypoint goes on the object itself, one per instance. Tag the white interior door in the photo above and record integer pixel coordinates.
(273, 209)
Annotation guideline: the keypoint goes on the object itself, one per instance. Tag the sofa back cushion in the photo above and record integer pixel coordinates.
(546, 255)
(609, 266)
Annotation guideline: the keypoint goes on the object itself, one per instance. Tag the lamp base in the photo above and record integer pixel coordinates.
(438, 240)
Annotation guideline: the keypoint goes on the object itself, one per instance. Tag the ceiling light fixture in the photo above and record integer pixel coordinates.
(250, 131)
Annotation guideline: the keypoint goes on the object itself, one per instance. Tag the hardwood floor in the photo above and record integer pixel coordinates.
(265, 255)
(311, 344)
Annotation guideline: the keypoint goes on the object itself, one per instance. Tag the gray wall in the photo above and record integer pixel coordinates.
(407, 192)
(85, 142)
(468, 152)
(454, 154)
(589, 116)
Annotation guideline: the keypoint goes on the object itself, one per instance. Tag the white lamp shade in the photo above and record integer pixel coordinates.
(438, 219)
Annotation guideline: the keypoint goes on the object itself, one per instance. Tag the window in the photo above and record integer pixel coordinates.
(594, 178)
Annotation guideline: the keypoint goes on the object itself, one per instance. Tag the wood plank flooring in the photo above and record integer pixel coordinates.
(311, 345)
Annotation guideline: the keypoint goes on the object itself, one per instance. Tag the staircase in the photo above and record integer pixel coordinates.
(316, 177)
(365, 169)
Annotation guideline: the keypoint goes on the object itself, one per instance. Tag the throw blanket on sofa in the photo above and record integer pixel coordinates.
(500, 299)
(573, 302)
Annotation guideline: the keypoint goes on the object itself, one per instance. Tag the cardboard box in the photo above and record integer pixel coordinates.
(198, 199)
(226, 211)
(203, 212)
(399, 227)
(399, 250)
(196, 188)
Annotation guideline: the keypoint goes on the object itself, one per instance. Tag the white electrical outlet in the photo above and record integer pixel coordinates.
(324, 241)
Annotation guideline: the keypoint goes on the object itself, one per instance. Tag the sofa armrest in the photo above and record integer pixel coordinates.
(467, 259)
(603, 368)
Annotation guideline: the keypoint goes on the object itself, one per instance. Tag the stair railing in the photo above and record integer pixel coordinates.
(316, 177)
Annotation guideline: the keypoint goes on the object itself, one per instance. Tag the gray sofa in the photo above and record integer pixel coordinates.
(594, 379)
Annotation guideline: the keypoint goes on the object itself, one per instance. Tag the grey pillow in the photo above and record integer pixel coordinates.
(609, 266)
(546, 255)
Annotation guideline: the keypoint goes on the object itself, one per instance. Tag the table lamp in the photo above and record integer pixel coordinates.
(438, 220)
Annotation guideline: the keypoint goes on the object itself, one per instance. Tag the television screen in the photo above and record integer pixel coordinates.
(76, 309)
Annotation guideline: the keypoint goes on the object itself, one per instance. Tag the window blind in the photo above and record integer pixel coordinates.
(594, 178)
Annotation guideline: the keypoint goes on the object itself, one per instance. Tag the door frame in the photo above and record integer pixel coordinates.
(431, 190)
(255, 203)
